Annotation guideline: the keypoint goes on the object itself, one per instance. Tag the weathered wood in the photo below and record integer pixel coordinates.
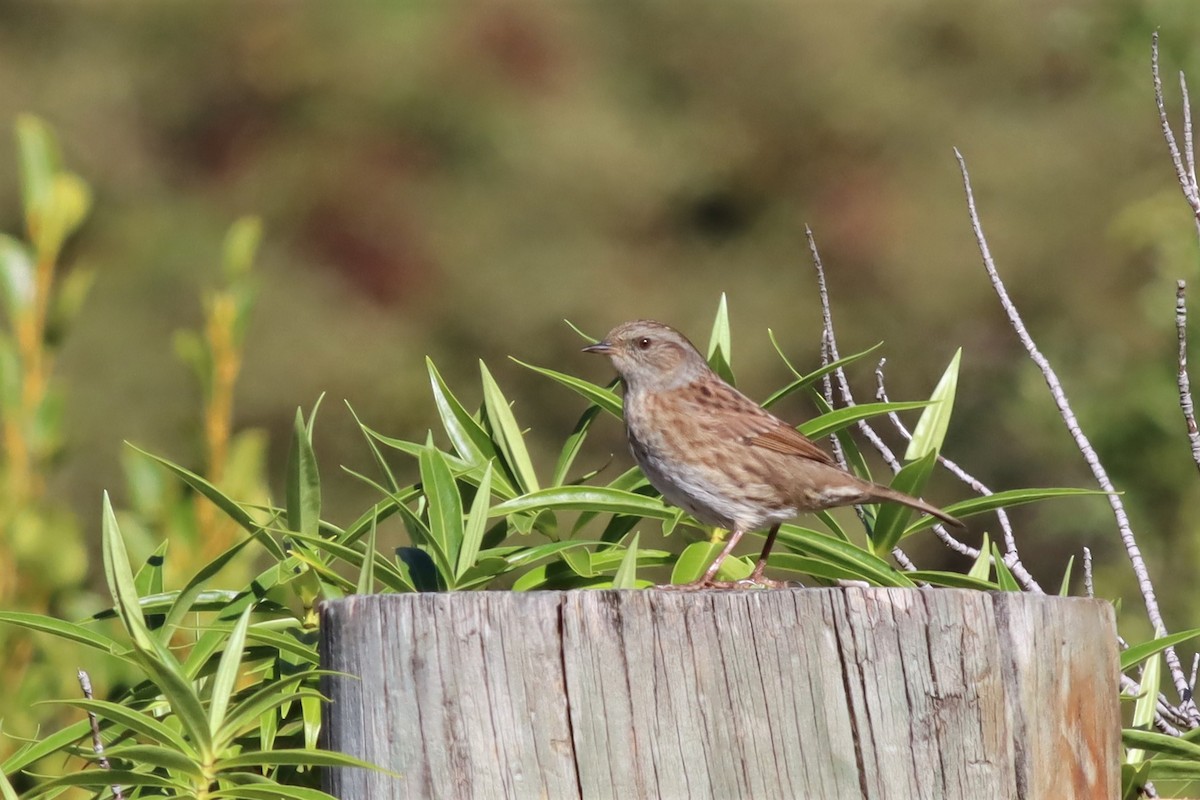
(808, 693)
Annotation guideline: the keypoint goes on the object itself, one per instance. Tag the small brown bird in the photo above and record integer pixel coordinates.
(716, 453)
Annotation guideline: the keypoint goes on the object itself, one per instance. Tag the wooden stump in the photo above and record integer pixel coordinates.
(806, 693)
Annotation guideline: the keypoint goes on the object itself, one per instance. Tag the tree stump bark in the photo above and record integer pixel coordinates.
(806, 693)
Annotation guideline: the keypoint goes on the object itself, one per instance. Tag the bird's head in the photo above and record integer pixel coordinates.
(651, 356)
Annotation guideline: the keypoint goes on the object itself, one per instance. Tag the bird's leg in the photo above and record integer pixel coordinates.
(760, 567)
(715, 566)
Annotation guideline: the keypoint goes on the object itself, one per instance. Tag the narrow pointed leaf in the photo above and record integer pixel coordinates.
(225, 679)
(303, 481)
(469, 438)
(626, 575)
(892, 517)
(366, 573)
(1064, 588)
(445, 505)
(606, 399)
(506, 432)
(476, 524)
(587, 498)
(802, 382)
(844, 417)
(931, 428)
(1005, 499)
(1140, 652)
(720, 343)
(982, 568)
(119, 578)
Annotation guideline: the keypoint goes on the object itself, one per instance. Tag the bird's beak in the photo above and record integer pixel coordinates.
(603, 348)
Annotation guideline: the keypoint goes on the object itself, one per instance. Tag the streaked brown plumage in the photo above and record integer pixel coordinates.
(716, 453)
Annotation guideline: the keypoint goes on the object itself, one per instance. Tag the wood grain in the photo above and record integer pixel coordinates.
(805, 693)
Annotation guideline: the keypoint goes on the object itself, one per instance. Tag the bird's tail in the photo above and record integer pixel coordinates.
(884, 493)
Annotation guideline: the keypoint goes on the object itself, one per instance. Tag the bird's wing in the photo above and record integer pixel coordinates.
(787, 440)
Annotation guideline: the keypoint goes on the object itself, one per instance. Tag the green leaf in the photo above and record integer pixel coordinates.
(579, 559)
(804, 381)
(720, 347)
(931, 428)
(1133, 778)
(892, 517)
(104, 778)
(7, 792)
(626, 575)
(601, 499)
(119, 578)
(477, 518)
(982, 568)
(136, 721)
(605, 399)
(953, 580)
(146, 755)
(806, 565)
(1143, 707)
(444, 506)
(1004, 576)
(1162, 743)
(1005, 499)
(294, 757)
(187, 596)
(162, 669)
(1172, 769)
(225, 679)
(1140, 652)
(507, 433)
(231, 509)
(571, 448)
(693, 561)
(67, 631)
(36, 751)
(303, 481)
(861, 563)
(1064, 589)
(470, 440)
(380, 461)
(845, 417)
(366, 573)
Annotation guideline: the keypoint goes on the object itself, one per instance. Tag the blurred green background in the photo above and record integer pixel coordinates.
(454, 179)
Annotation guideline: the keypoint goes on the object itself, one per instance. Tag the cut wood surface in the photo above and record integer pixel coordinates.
(795, 693)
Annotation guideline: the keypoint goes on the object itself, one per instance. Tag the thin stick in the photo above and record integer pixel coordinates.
(1186, 182)
(1145, 585)
(85, 683)
(1088, 587)
(1184, 383)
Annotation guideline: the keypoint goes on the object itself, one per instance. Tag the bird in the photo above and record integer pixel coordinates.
(718, 455)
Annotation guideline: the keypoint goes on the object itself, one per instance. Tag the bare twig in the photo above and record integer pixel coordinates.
(85, 683)
(1145, 585)
(1184, 383)
(829, 352)
(1184, 174)
(1088, 586)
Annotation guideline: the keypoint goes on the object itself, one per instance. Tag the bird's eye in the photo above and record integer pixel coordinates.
(643, 343)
